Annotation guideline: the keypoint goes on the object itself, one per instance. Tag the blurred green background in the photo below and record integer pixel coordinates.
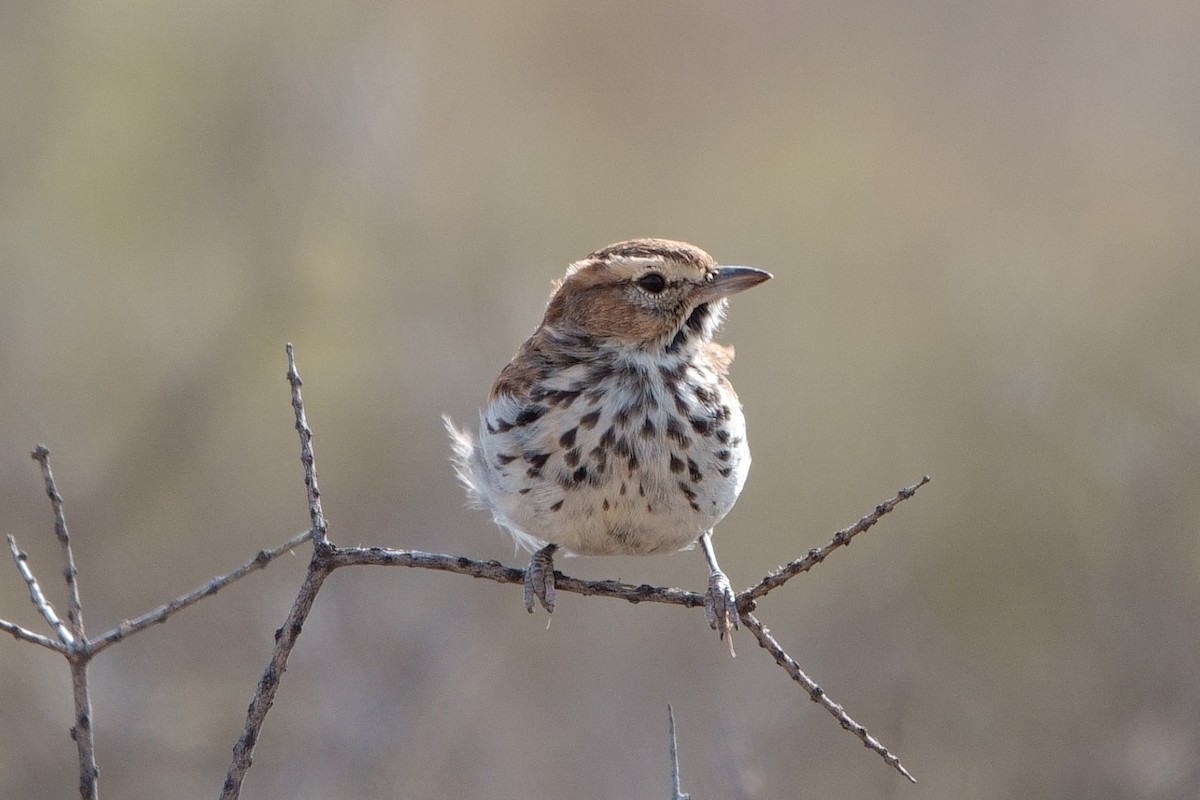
(983, 223)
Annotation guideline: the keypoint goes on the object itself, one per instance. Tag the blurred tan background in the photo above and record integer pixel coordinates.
(983, 223)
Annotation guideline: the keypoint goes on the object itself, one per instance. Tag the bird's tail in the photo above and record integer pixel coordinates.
(462, 445)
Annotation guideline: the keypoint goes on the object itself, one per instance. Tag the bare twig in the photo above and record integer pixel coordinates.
(165, 611)
(29, 636)
(268, 685)
(495, 571)
(41, 454)
(39, 600)
(774, 580)
(81, 731)
(676, 791)
(818, 695)
(306, 453)
(319, 568)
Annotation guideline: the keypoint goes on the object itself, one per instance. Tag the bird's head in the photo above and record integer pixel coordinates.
(646, 294)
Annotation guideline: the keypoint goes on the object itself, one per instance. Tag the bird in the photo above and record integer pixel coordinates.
(614, 430)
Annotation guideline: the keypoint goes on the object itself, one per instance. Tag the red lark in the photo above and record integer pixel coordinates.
(614, 429)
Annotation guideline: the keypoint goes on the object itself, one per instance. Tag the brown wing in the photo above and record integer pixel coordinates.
(526, 368)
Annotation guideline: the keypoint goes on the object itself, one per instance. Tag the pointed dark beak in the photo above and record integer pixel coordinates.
(730, 280)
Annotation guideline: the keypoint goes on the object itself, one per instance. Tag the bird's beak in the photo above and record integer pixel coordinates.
(730, 280)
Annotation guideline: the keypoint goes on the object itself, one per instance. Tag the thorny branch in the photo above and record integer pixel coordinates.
(29, 636)
(774, 580)
(72, 643)
(169, 609)
(306, 452)
(41, 454)
(326, 557)
(643, 593)
(285, 638)
(501, 573)
(676, 788)
(268, 684)
(768, 643)
(65, 639)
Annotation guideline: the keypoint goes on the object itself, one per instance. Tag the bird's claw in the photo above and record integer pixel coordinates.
(720, 607)
(539, 580)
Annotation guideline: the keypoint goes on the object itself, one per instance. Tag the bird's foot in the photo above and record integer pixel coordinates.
(720, 607)
(539, 579)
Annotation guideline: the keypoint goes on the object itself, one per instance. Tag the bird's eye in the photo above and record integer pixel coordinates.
(652, 282)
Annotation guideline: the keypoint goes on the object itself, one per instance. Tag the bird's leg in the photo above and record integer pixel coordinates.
(720, 603)
(539, 579)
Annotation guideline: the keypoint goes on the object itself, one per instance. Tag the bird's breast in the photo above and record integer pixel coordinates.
(633, 458)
